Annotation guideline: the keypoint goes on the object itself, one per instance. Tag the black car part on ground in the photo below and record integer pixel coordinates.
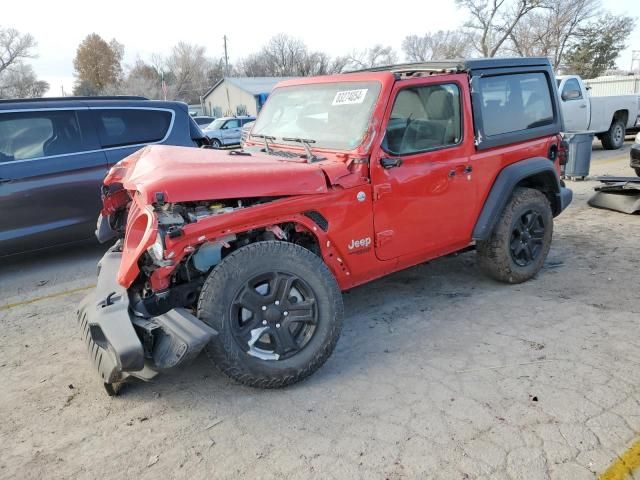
(127, 341)
(621, 194)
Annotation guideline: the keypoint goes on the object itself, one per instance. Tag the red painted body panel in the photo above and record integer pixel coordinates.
(380, 220)
(189, 174)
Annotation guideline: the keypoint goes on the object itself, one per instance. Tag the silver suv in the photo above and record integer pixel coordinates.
(225, 131)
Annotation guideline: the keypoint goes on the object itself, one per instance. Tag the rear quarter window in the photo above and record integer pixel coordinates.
(27, 135)
(121, 127)
(515, 102)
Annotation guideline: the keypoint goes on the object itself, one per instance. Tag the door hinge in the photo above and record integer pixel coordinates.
(383, 237)
(380, 190)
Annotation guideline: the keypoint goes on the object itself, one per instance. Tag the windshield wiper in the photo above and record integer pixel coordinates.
(306, 144)
(266, 139)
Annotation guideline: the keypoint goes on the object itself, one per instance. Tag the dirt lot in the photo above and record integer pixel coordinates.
(440, 373)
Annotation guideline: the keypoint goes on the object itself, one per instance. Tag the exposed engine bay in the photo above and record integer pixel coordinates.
(189, 275)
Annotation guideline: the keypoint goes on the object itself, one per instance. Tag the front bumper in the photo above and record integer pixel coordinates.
(125, 343)
(635, 155)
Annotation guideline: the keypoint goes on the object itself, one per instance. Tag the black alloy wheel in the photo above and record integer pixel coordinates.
(527, 238)
(274, 315)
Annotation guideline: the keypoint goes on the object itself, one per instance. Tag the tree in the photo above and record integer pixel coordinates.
(189, 70)
(14, 47)
(598, 45)
(493, 21)
(285, 56)
(20, 81)
(443, 44)
(376, 56)
(550, 31)
(97, 64)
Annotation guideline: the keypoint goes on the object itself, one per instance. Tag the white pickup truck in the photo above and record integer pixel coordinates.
(608, 117)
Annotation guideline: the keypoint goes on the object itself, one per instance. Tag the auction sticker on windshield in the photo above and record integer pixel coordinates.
(350, 97)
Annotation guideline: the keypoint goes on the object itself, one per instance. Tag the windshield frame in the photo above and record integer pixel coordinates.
(347, 84)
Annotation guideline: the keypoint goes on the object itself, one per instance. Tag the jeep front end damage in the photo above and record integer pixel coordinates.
(125, 340)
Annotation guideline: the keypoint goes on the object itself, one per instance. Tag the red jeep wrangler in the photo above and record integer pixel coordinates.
(344, 179)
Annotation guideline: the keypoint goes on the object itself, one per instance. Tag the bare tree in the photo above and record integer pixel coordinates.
(20, 81)
(443, 44)
(549, 32)
(188, 68)
(375, 56)
(285, 56)
(493, 21)
(14, 47)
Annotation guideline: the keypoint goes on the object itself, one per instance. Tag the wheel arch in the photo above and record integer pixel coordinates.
(622, 115)
(538, 173)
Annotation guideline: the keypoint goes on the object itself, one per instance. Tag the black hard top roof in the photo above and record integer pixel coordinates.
(461, 65)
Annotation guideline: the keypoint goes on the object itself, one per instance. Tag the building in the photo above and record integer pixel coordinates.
(614, 85)
(238, 95)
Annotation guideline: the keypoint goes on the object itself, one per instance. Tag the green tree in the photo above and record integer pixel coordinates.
(97, 64)
(598, 45)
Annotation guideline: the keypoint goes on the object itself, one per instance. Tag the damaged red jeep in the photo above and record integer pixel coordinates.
(344, 179)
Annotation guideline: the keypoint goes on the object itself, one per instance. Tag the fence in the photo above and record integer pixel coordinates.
(619, 85)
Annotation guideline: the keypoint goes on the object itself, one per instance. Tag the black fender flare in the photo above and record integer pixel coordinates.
(536, 172)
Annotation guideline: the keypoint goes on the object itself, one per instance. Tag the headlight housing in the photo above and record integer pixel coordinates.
(156, 251)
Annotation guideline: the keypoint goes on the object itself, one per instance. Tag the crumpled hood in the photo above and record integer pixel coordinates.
(188, 174)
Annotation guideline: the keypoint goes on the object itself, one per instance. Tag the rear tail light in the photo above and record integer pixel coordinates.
(563, 152)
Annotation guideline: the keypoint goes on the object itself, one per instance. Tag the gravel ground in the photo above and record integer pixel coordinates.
(440, 373)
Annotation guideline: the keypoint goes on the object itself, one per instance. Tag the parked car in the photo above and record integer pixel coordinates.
(635, 154)
(226, 131)
(245, 131)
(203, 120)
(245, 253)
(54, 154)
(608, 117)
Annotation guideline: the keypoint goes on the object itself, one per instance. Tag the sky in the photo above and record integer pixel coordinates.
(146, 27)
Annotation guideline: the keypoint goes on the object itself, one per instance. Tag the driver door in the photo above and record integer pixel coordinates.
(231, 132)
(424, 185)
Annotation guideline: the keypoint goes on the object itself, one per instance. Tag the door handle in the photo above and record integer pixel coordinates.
(390, 162)
(463, 169)
(584, 105)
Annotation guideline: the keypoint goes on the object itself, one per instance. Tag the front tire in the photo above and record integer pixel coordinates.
(521, 239)
(613, 139)
(278, 312)
(215, 143)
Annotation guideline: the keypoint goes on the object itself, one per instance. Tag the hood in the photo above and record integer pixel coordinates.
(186, 174)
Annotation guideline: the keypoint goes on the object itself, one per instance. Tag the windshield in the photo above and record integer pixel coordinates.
(216, 124)
(335, 115)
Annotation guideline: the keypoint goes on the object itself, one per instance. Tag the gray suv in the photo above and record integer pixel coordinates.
(225, 131)
(54, 154)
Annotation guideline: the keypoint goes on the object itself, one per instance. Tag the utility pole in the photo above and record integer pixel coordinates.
(226, 57)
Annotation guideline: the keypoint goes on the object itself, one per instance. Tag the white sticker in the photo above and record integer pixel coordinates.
(350, 97)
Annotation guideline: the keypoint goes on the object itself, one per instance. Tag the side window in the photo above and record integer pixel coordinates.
(571, 90)
(120, 127)
(235, 123)
(511, 103)
(424, 118)
(38, 134)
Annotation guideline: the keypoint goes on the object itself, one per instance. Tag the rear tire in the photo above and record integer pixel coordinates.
(614, 137)
(520, 241)
(278, 312)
